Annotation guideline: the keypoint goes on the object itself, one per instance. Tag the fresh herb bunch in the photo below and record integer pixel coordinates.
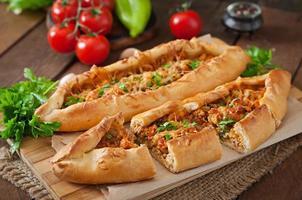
(18, 104)
(17, 6)
(260, 62)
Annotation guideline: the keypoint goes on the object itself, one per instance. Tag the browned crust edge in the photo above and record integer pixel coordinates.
(228, 64)
(258, 125)
(190, 151)
(80, 162)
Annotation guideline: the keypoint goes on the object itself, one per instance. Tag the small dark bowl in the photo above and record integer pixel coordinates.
(243, 17)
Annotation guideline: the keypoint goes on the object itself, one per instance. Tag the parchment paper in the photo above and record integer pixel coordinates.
(165, 180)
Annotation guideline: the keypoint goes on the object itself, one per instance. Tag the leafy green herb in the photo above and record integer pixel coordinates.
(187, 124)
(149, 84)
(39, 128)
(18, 104)
(194, 64)
(167, 65)
(225, 125)
(73, 100)
(17, 6)
(260, 62)
(168, 126)
(168, 136)
(156, 77)
(123, 87)
(102, 90)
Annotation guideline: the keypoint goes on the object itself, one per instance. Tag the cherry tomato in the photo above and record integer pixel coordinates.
(88, 3)
(105, 3)
(185, 24)
(62, 39)
(63, 9)
(92, 49)
(96, 20)
(108, 4)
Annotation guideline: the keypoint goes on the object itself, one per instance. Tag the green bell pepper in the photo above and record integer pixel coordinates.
(134, 14)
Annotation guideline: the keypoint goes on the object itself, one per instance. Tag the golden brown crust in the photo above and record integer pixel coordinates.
(254, 129)
(258, 125)
(190, 151)
(193, 150)
(227, 65)
(80, 162)
(277, 87)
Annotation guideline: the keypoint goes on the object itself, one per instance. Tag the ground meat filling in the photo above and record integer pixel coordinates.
(221, 114)
(156, 135)
(147, 80)
(117, 138)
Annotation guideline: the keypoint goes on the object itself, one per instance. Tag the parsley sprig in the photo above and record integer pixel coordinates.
(225, 125)
(18, 104)
(261, 62)
(194, 64)
(166, 126)
(73, 100)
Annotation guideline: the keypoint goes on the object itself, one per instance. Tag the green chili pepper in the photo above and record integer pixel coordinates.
(134, 14)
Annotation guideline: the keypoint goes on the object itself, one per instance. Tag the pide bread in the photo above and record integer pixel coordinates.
(105, 153)
(173, 71)
(243, 114)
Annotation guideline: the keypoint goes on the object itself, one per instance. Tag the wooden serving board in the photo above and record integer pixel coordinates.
(36, 153)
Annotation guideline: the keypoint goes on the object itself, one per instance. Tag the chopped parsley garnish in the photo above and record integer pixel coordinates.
(260, 62)
(194, 64)
(187, 124)
(167, 65)
(157, 78)
(102, 90)
(18, 104)
(123, 87)
(168, 136)
(149, 84)
(167, 126)
(225, 125)
(73, 100)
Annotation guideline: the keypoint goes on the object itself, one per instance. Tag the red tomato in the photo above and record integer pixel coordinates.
(88, 3)
(62, 39)
(63, 9)
(106, 3)
(96, 20)
(92, 49)
(185, 24)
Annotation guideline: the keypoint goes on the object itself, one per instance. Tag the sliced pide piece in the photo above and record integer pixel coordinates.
(105, 153)
(171, 71)
(245, 112)
(177, 143)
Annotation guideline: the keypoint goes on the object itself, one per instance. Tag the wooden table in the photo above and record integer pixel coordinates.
(23, 43)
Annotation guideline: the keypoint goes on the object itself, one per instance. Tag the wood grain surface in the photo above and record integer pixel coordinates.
(32, 51)
(14, 27)
(23, 43)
